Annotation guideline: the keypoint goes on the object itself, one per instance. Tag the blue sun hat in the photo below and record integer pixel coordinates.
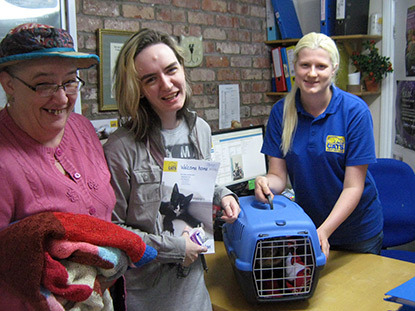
(31, 41)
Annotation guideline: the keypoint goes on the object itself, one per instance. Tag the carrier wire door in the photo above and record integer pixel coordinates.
(283, 266)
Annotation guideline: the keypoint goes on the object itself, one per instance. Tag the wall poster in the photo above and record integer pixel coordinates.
(410, 42)
(405, 114)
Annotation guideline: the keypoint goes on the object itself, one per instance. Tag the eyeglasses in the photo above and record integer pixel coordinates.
(48, 89)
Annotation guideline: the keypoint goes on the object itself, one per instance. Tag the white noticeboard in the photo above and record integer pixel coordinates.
(229, 105)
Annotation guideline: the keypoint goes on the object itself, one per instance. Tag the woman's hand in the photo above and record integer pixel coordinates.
(262, 189)
(231, 209)
(324, 242)
(276, 179)
(353, 186)
(192, 249)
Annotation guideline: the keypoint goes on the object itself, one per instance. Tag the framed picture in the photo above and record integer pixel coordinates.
(110, 43)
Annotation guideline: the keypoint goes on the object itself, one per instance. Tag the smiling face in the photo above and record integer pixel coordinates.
(314, 71)
(162, 79)
(44, 119)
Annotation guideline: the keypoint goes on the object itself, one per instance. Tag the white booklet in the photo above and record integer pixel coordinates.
(188, 188)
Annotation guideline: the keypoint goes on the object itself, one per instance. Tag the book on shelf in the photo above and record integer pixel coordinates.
(287, 19)
(273, 32)
(273, 86)
(351, 17)
(342, 77)
(278, 69)
(286, 70)
(327, 16)
(290, 58)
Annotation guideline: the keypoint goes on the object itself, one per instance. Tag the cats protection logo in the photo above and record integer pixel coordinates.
(170, 166)
(335, 144)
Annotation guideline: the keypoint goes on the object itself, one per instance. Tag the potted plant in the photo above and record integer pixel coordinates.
(372, 66)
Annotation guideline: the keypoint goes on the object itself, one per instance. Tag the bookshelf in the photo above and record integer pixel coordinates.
(350, 42)
(349, 38)
(360, 94)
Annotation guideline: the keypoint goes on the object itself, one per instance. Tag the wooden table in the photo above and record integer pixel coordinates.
(352, 282)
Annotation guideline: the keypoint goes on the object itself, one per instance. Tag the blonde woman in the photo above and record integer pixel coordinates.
(321, 138)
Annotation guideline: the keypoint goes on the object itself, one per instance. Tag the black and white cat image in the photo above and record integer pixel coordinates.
(177, 208)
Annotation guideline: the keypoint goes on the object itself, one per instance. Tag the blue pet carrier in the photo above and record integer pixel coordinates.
(275, 252)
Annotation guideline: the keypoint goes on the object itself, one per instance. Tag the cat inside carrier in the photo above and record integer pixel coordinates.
(274, 250)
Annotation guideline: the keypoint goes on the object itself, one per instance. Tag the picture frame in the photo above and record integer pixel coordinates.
(110, 42)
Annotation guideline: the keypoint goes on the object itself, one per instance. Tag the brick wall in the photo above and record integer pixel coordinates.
(233, 39)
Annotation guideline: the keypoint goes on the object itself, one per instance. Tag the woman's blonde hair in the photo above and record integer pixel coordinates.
(135, 110)
(313, 41)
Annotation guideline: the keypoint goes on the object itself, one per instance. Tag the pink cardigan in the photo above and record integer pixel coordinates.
(30, 183)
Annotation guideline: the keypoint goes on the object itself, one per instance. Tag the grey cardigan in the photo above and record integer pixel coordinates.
(136, 179)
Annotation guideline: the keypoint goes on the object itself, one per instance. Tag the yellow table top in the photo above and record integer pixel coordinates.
(348, 281)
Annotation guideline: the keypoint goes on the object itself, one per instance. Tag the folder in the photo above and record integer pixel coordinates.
(290, 58)
(273, 87)
(403, 294)
(280, 83)
(286, 71)
(351, 17)
(327, 16)
(342, 77)
(273, 84)
(273, 32)
(287, 19)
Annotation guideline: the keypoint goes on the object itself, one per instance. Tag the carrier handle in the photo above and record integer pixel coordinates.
(271, 203)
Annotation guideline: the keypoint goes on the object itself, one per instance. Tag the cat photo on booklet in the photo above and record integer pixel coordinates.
(177, 208)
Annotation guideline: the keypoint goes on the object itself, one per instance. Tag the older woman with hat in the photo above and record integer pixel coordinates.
(51, 158)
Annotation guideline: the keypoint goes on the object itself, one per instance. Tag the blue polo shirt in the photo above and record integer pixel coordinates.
(322, 148)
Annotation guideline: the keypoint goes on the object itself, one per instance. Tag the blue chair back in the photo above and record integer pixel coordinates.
(395, 181)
